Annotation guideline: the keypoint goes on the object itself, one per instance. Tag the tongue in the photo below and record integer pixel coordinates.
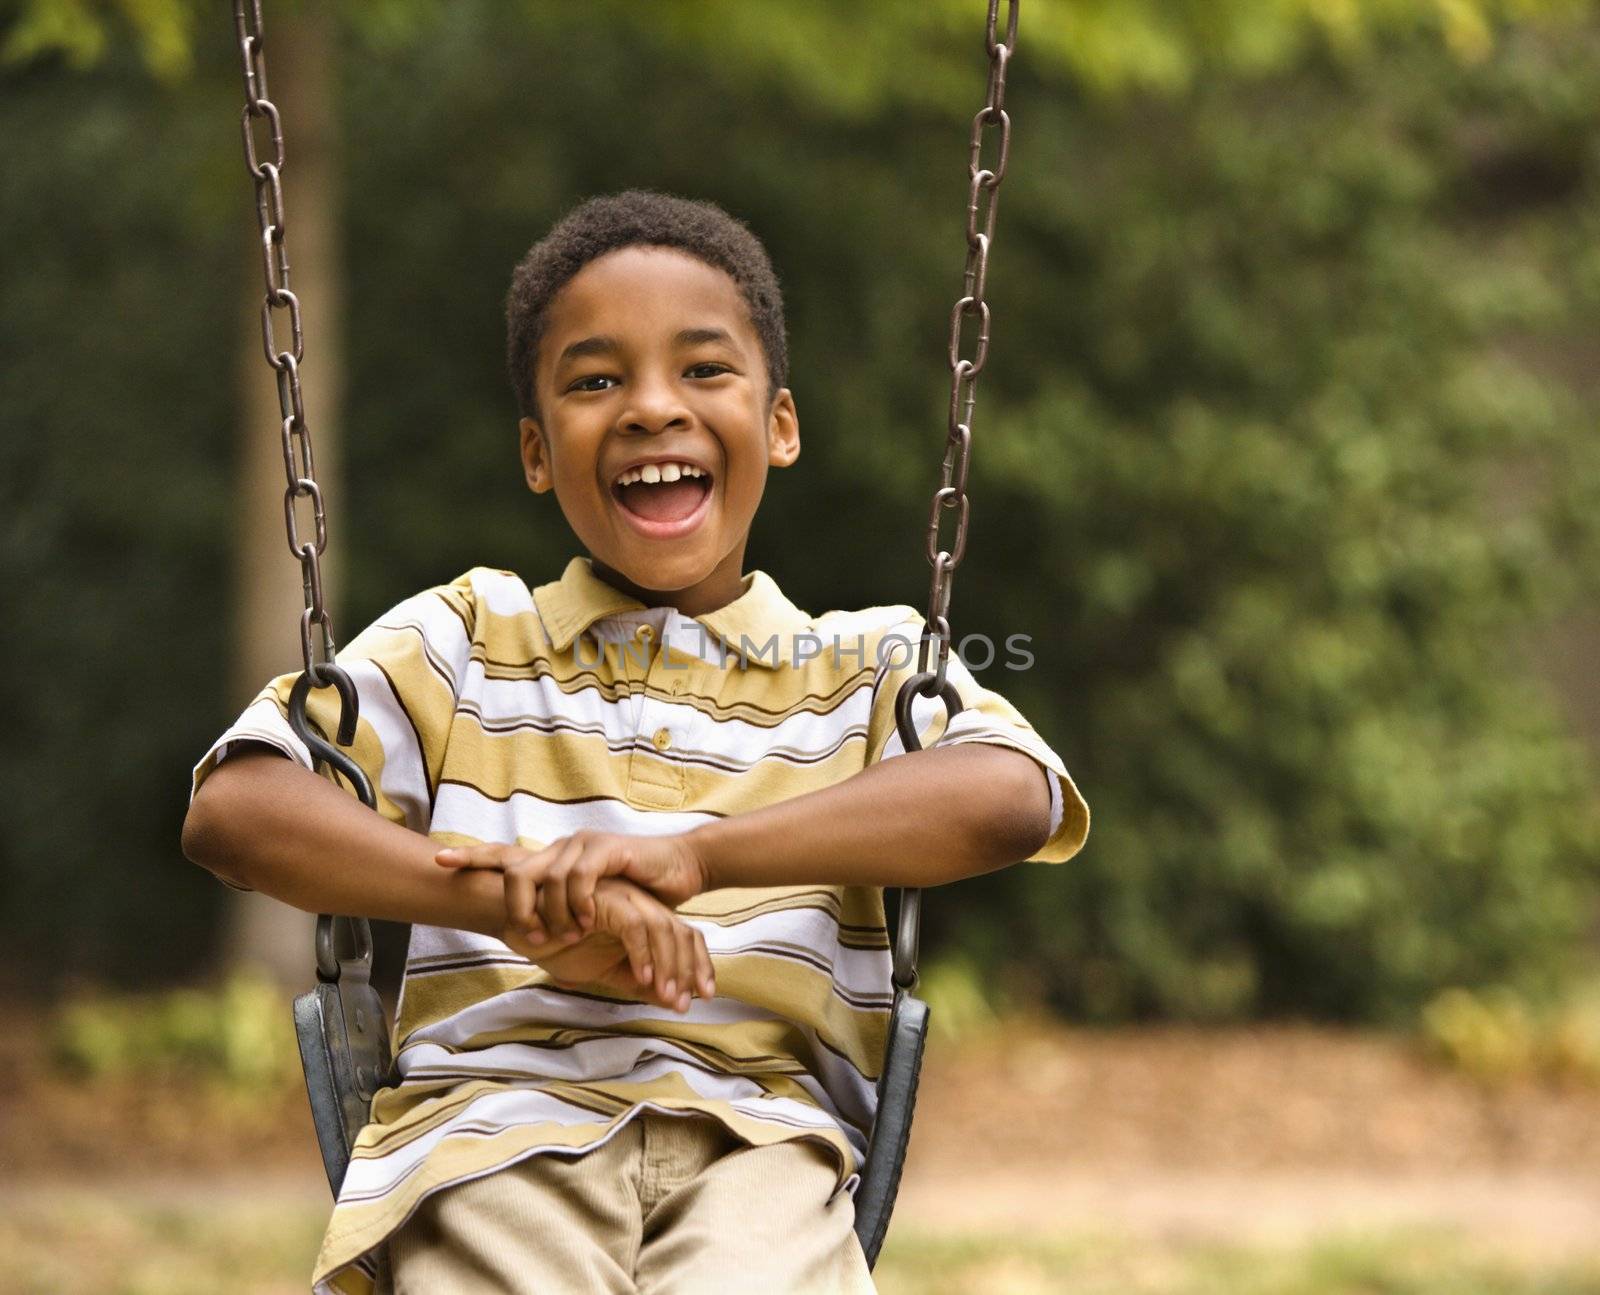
(664, 501)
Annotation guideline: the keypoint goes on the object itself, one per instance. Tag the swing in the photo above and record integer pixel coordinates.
(340, 1024)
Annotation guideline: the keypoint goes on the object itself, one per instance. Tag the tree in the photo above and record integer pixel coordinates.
(261, 932)
(1269, 319)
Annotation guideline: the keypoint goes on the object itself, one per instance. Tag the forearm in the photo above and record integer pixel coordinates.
(921, 819)
(263, 821)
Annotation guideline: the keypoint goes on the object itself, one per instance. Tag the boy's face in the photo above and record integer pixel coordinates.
(649, 357)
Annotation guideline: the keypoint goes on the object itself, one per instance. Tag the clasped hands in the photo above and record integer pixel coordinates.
(597, 908)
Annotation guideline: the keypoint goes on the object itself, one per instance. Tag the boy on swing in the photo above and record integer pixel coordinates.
(639, 817)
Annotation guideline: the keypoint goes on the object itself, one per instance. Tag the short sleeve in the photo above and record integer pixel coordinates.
(985, 716)
(408, 668)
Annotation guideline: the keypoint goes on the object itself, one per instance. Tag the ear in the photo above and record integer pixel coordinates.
(783, 430)
(535, 456)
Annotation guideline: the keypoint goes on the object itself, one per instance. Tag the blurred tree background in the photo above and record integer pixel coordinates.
(1285, 455)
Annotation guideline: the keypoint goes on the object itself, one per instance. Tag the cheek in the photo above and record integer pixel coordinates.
(736, 405)
(748, 477)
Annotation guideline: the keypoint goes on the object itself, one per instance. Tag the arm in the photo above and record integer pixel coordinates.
(263, 821)
(923, 819)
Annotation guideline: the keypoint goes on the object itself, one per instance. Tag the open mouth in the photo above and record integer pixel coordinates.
(663, 498)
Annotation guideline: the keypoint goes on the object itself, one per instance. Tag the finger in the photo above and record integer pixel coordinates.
(628, 926)
(486, 855)
(595, 863)
(522, 894)
(683, 936)
(642, 915)
(690, 953)
(705, 975)
(553, 906)
(575, 876)
(639, 927)
(664, 948)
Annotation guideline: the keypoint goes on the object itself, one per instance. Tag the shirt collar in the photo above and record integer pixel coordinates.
(573, 603)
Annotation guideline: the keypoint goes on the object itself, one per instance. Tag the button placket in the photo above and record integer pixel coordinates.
(640, 652)
(654, 781)
(653, 725)
(662, 679)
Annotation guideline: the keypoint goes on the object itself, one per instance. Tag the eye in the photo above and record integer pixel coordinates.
(708, 369)
(590, 382)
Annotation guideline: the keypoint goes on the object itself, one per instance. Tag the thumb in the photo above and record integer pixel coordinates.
(478, 856)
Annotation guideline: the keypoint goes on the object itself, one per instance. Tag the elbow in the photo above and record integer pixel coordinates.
(1021, 822)
(206, 841)
(1005, 812)
(1018, 836)
(1038, 837)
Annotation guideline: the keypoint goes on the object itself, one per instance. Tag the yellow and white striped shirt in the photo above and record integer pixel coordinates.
(492, 713)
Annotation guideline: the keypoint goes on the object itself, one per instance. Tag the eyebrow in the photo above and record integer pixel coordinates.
(699, 336)
(588, 346)
(603, 345)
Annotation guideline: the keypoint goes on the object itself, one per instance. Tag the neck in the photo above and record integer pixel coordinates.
(717, 590)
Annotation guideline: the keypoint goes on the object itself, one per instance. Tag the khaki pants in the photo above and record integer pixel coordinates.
(671, 1205)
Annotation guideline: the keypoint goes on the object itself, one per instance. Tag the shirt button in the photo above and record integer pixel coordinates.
(644, 634)
(662, 739)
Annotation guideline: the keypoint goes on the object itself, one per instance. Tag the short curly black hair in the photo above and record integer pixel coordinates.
(639, 217)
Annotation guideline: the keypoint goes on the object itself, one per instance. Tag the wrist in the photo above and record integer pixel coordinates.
(709, 853)
(477, 900)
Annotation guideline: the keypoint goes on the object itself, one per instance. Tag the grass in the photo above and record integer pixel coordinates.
(74, 1242)
(1402, 1263)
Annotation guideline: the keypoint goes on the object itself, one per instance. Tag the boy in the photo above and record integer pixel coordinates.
(654, 778)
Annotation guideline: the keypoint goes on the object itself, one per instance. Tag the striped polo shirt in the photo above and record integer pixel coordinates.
(492, 713)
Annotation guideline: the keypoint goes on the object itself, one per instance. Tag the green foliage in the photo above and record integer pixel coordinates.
(960, 998)
(1498, 1037)
(117, 325)
(238, 1035)
(1281, 456)
(83, 30)
(904, 51)
(1302, 511)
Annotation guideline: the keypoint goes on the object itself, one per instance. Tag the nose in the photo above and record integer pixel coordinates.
(657, 406)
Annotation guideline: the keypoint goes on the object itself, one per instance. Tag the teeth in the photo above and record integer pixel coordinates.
(653, 472)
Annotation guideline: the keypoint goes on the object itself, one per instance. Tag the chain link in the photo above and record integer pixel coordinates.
(969, 346)
(299, 464)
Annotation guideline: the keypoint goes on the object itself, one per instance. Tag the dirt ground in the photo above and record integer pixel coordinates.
(1249, 1135)
(1252, 1135)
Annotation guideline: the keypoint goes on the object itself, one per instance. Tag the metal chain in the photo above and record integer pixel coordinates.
(299, 465)
(344, 945)
(983, 191)
(983, 196)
